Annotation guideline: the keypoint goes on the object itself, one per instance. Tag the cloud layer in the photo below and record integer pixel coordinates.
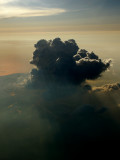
(45, 123)
(63, 61)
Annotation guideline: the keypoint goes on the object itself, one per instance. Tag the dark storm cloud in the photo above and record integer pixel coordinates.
(57, 120)
(62, 61)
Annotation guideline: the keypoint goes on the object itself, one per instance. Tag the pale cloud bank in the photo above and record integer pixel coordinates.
(8, 11)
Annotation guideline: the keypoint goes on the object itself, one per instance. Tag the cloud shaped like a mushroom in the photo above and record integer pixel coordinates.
(63, 61)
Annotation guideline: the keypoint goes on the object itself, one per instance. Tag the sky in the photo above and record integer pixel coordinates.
(54, 15)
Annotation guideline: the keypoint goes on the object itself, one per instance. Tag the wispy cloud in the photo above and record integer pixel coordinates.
(6, 1)
(8, 11)
(24, 12)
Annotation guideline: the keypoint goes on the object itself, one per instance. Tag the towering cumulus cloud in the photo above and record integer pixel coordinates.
(63, 61)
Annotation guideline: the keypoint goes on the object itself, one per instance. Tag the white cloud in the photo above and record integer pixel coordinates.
(8, 11)
(24, 12)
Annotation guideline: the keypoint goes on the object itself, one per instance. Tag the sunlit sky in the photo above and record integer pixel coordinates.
(63, 15)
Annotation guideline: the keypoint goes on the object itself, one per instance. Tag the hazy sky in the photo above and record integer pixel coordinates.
(54, 15)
